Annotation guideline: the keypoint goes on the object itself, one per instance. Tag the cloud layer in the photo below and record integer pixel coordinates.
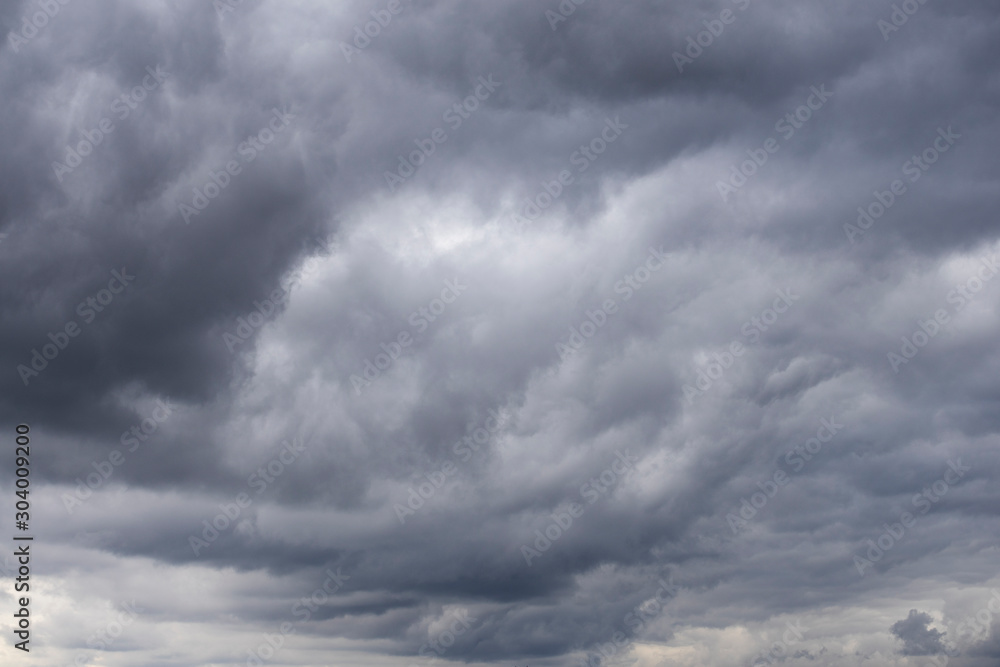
(412, 331)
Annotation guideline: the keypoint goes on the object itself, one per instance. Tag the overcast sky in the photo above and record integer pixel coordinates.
(502, 332)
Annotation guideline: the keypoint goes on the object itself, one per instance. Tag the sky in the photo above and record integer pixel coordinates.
(409, 333)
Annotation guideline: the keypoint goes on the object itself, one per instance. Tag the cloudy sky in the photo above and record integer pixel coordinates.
(500, 332)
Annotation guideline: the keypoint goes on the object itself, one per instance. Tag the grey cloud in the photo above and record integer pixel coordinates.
(917, 636)
(564, 336)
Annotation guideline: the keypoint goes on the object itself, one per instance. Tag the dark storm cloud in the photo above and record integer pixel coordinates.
(770, 450)
(917, 636)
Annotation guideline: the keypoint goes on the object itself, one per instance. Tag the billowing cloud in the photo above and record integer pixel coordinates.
(917, 636)
(414, 331)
